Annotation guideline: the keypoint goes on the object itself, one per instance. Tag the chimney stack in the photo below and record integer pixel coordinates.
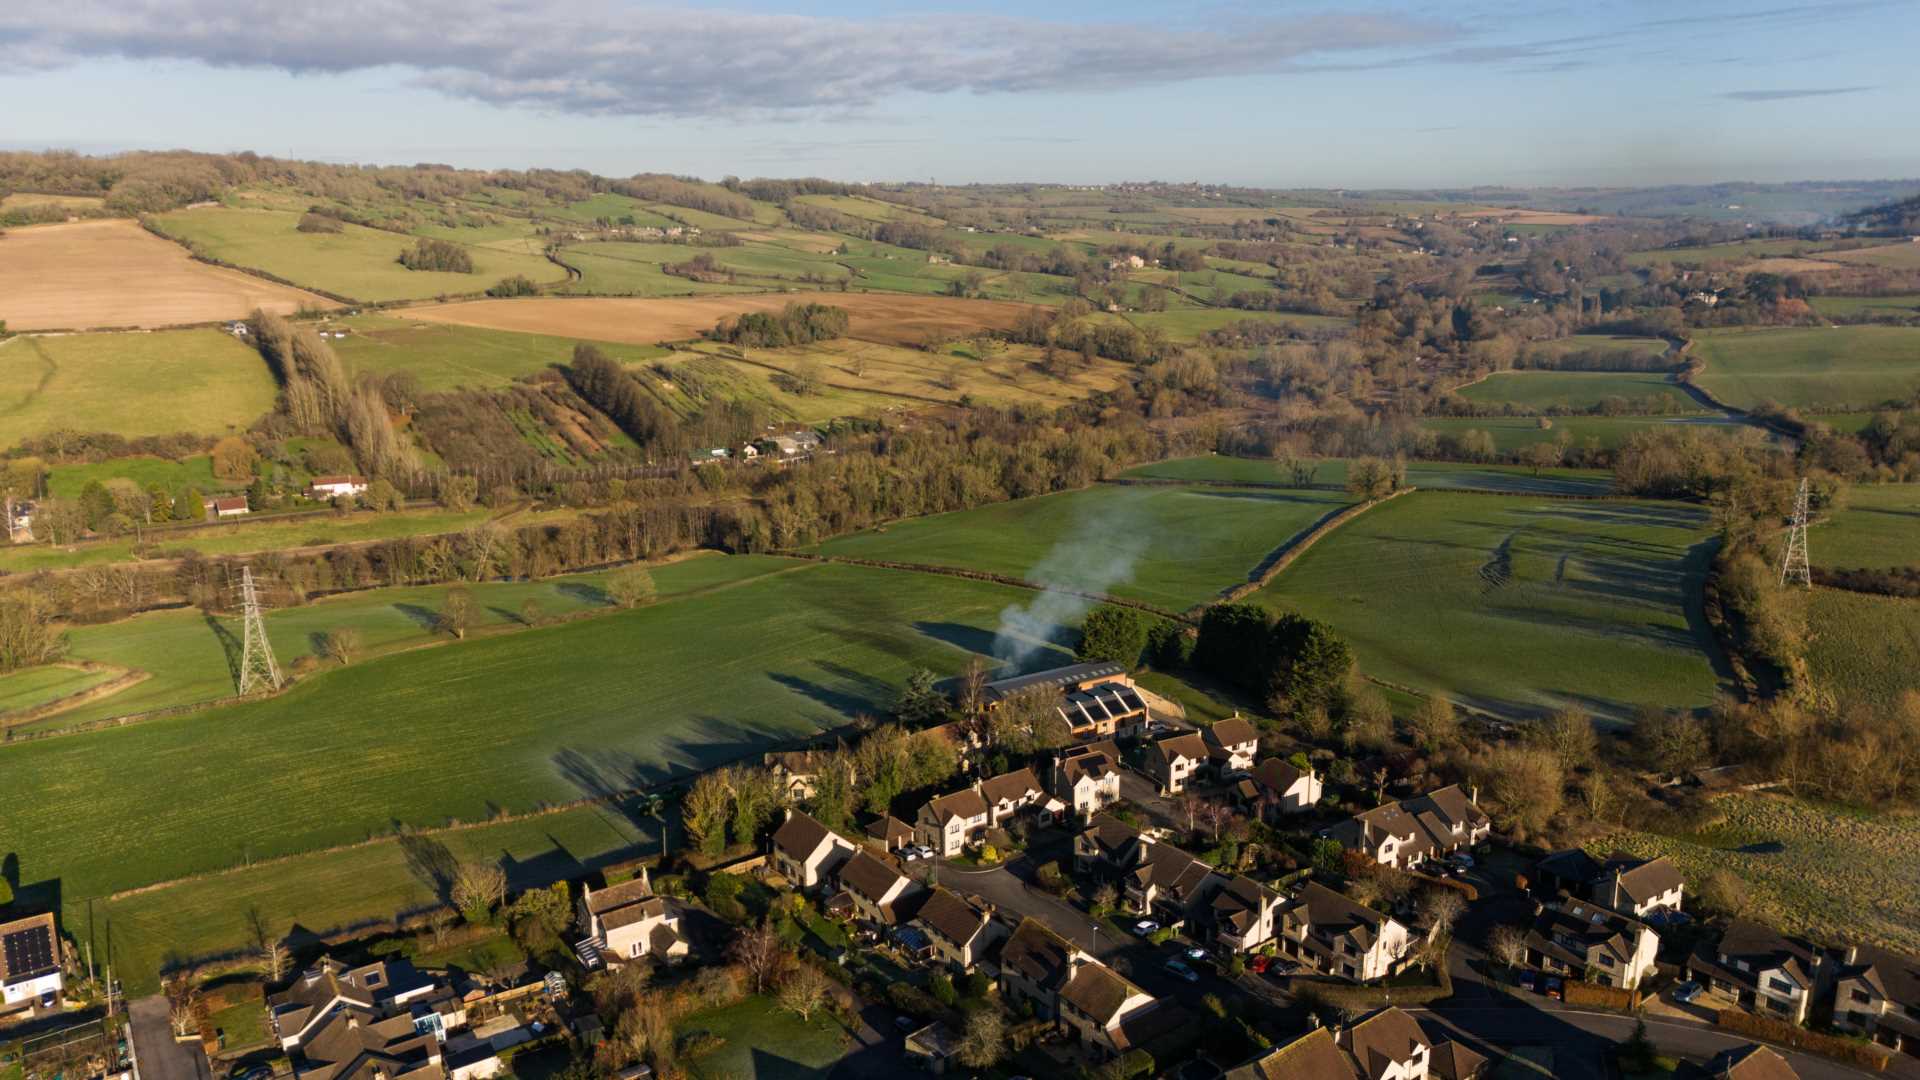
(1853, 954)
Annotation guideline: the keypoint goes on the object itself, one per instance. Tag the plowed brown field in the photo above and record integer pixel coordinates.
(114, 273)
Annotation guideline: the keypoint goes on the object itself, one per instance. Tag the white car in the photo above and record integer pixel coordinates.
(1145, 927)
(911, 853)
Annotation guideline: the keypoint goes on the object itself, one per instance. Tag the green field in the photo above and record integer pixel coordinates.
(1861, 307)
(1737, 251)
(65, 481)
(1865, 649)
(1422, 474)
(1879, 528)
(1170, 546)
(1580, 391)
(511, 722)
(765, 1042)
(201, 382)
(1837, 368)
(622, 269)
(32, 687)
(444, 356)
(1512, 433)
(356, 262)
(1624, 345)
(1901, 255)
(1487, 598)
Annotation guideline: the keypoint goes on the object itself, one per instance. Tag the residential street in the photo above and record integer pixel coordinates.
(156, 1056)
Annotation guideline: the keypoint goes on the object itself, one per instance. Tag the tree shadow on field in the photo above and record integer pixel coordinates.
(840, 700)
(431, 862)
(584, 593)
(425, 618)
(230, 645)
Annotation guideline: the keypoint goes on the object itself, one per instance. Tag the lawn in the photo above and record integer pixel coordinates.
(1809, 869)
(1169, 546)
(1832, 368)
(1579, 391)
(1879, 528)
(1489, 599)
(1865, 649)
(446, 357)
(197, 381)
(505, 723)
(1512, 433)
(65, 481)
(356, 262)
(1422, 474)
(764, 1042)
(1623, 345)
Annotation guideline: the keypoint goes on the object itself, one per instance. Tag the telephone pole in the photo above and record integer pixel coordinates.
(257, 668)
(1795, 567)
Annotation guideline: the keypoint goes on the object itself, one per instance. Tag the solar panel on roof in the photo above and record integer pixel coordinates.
(27, 952)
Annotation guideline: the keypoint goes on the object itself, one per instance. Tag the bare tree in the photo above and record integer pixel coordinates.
(343, 645)
(456, 612)
(803, 991)
(760, 951)
(1441, 908)
(183, 1000)
(1508, 944)
(984, 1039)
(478, 888)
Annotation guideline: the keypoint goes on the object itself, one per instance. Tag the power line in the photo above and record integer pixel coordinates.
(1795, 567)
(257, 668)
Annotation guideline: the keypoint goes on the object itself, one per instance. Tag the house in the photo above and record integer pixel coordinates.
(749, 452)
(1098, 700)
(1171, 761)
(1760, 969)
(806, 852)
(1231, 745)
(330, 987)
(795, 770)
(892, 833)
(1388, 1043)
(627, 921)
(30, 964)
(794, 444)
(1403, 834)
(20, 520)
(1168, 884)
(1333, 935)
(961, 931)
(1877, 994)
(1587, 940)
(1071, 988)
(1314, 1055)
(350, 1045)
(1107, 843)
(949, 823)
(1010, 793)
(1245, 914)
(711, 454)
(337, 486)
(879, 891)
(1750, 1062)
(930, 1048)
(227, 506)
(1636, 887)
(1281, 787)
(1127, 262)
(1087, 778)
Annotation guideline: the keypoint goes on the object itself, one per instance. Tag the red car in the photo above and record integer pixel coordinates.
(1260, 963)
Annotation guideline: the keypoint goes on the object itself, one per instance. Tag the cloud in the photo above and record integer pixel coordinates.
(1788, 95)
(606, 57)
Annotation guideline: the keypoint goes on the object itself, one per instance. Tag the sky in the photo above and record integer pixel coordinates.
(1276, 94)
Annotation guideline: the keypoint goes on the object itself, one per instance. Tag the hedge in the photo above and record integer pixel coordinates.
(1850, 1051)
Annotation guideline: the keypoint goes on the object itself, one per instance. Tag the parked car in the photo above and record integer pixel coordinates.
(1461, 859)
(1280, 969)
(1685, 992)
(906, 1023)
(1196, 953)
(1260, 963)
(911, 854)
(1555, 987)
(1528, 981)
(1181, 971)
(1145, 927)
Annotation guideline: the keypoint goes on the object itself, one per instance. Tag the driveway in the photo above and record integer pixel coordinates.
(155, 1055)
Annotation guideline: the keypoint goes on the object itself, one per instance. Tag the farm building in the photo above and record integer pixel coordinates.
(228, 506)
(30, 964)
(338, 486)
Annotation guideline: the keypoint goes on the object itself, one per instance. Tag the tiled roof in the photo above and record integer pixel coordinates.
(1187, 744)
(1277, 774)
(1897, 977)
(890, 830)
(1232, 731)
(1313, 1056)
(1765, 948)
(1098, 991)
(1644, 880)
(637, 912)
(946, 914)
(965, 803)
(1173, 871)
(601, 901)
(800, 836)
(1037, 954)
(1751, 1062)
(869, 875)
(1011, 787)
(1110, 837)
(1323, 909)
(1451, 1061)
(1387, 1037)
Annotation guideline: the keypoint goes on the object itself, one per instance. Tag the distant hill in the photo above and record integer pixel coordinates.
(1895, 218)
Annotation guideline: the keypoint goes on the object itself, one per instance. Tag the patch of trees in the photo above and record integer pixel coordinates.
(702, 267)
(28, 636)
(796, 324)
(685, 192)
(1896, 581)
(430, 253)
(317, 398)
(603, 383)
(515, 285)
(313, 221)
(784, 191)
(907, 234)
(1287, 661)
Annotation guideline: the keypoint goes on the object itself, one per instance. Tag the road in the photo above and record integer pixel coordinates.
(156, 1056)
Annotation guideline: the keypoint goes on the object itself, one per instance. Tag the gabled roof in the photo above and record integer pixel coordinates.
(1313, 1056)
(869, 875)
(1323, 909)
(1096, 704)
(1112, 838)
(1644, 879)
(1099, 991)
(1012, 787)
(1424, 822)
(1063, 677)
(948, 915)
(1765, 948)
(1233, 731)
(601, 901)
(890, 830)
(1239, 904)
(1451, 1061)
(1173, 871)
(1387, 1037)
(1277, 775)
(350, 1046)
(1187, 744)
(1896, 977)
(640, 911)
(1751, 1062)
(1096, 760)
(965, 803)
(1589, 927)
(1037, 954)
(29, 948)
(801, 836)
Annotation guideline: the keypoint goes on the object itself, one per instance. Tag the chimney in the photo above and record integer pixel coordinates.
(1473, 794)
(1853, 954)
(353, 1021)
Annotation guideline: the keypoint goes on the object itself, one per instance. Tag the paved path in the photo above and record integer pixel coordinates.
(156, 1055)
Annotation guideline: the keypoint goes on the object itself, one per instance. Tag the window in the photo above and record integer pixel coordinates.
(1862, 996)
(634, 949)
(1605, 960)
(1781, 986)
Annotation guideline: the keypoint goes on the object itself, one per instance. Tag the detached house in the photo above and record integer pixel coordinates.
(1313, 1056)
(29, 963)
(1760, 969)
(1155, 879)
(228, 506)
(1405, 834)
(795, 771)
(337, 486)
(1071, 988)
(354, 1046)
(627, 921)
(1087, 778)
(1246, 914)
(960, 930)
(1232, 745)
(1580, 937)
(879, 892)
(1105, 844)
(1010, 793)
(1750, 1062)
(330, 987)
(806, 852)
(1386, 1045)
(951, 822)
(1333, 935)
(1173, 760)
(1281, 787)
(1877, 994)
(1636, 887)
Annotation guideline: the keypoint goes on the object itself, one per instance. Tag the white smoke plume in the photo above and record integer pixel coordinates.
(1098, 553)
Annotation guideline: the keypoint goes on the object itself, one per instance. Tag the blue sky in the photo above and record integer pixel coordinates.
(1277, 94)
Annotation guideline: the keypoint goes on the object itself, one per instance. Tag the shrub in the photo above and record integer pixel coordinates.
(445, 256)
(1169, 646)
(517, 285)
(1113, 633)
(315, 222)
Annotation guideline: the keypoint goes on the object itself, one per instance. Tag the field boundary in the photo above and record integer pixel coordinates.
(1164, 481)
(126, 677)
(253, 271)
(983, 575)
(1284, 555)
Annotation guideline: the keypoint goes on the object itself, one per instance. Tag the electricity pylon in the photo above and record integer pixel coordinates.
(257, 669)
(1794, 567)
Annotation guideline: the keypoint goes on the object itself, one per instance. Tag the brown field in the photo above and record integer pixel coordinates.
(114, 273)
(72, 202)
(1788, 264)
(1900, 255)
(888, 318)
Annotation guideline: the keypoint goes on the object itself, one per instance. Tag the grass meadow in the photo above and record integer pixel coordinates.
(1512, 433)
(504, 723)
(1169, 546)
(30, 688)
(1864, 307)
(1865, 649)
(1835, 368)
(140, 383)
(445, 357)
(1902, 255)
(65, 481)
(358, 262)
(1518, 606)
(765, 1042)
(1543, 391)
(1878, 528)
(1423, 474)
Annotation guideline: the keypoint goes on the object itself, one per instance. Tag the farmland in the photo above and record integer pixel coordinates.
(1422, 474)
(1821, 368)
(32, 687)
(886, 318)
(1715, 254)
(1865, 650)
(1004, 374)
(1168, 546)
(116, 274)
(1878, 528)
(1484, 598)
(357, 261)
(1904, 255)
(1512, 433)
(557, 706)
(1580, 391)
(618, 269)
(1808, 869)
(1866, 307)
(65, 481)
(197, 381)
(445, 356)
